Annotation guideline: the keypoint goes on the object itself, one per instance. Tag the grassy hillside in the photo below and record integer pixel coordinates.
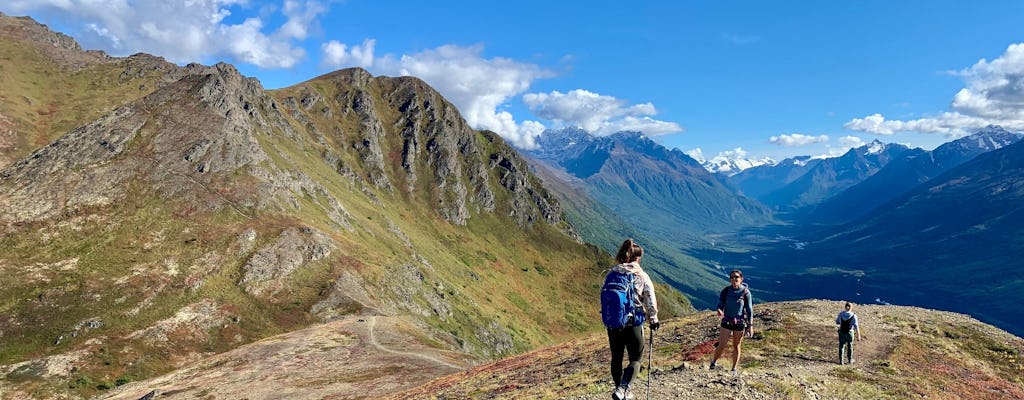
(210, 214)
(48, 86)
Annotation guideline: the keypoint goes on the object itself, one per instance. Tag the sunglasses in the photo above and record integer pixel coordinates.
(735, 277)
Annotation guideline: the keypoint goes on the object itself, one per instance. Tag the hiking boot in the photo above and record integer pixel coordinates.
(629, 394)
(712, 366)
(619, 393)
(735, 373)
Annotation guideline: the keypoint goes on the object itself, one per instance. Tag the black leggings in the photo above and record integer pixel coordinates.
(631, 339)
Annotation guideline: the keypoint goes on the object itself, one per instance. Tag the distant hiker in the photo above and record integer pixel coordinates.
(737, 313)
(847, 322)
(627, 300)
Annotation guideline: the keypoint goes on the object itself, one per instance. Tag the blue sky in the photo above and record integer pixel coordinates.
(737, 78)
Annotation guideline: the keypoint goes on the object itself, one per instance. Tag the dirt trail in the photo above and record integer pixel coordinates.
(372, 340)
(313, 363)
(799, 368)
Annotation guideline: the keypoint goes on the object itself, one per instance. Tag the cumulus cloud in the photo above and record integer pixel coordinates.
(183, 30)
(598, 114)
(478, 86)
(993, 95)
(696, 154)
(849, 142)
(796, 140)
(338, 55)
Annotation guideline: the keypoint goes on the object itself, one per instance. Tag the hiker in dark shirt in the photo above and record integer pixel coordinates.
(847, 322)
(737, 313)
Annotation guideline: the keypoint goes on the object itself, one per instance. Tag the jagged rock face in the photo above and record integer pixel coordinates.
(188, 137)
(407, 137)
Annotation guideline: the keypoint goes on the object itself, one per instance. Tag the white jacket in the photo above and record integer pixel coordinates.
(644, 289)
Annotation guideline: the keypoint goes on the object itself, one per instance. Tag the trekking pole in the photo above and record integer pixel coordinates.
(650, 360)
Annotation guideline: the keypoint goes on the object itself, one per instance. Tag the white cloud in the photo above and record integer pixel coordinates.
(598, 114)
(696, 154)
(476, 85)
(339, 55)
(994, 95)
(951, 124)
(182, 30)
(796, 140)
(734, 154)
(850, 142)
(301, 18)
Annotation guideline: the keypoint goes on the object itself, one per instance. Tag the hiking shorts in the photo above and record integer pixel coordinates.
(734, 324)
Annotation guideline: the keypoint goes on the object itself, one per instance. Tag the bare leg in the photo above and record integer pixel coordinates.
(737, 338)
(723, 338)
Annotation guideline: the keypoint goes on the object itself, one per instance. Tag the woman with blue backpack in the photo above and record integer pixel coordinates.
(627, 301)
(737, 313)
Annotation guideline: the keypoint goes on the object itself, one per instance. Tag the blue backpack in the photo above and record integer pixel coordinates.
(618, 308)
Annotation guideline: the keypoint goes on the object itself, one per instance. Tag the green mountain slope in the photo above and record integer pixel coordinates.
(49, 86)
(209, 214)
(666, 260)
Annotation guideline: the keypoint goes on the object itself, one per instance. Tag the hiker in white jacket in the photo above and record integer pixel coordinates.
(627, 332)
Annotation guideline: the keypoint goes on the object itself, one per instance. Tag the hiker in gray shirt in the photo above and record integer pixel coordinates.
(847, 322)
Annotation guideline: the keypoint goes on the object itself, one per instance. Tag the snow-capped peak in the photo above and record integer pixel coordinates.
(875, 147)
(731, 162)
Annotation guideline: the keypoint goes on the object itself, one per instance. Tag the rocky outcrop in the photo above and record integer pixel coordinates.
(293, 249)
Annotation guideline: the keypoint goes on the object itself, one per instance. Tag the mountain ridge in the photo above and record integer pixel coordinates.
(205, 213)
(906, 171)
(832, 175)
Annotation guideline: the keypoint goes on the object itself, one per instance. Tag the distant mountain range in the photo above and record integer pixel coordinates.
(903, 173)
(953, 242)
(940, 228)
(758, 181)
(664, 194)
(731, 166)
(644, 181)
(831, 176)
